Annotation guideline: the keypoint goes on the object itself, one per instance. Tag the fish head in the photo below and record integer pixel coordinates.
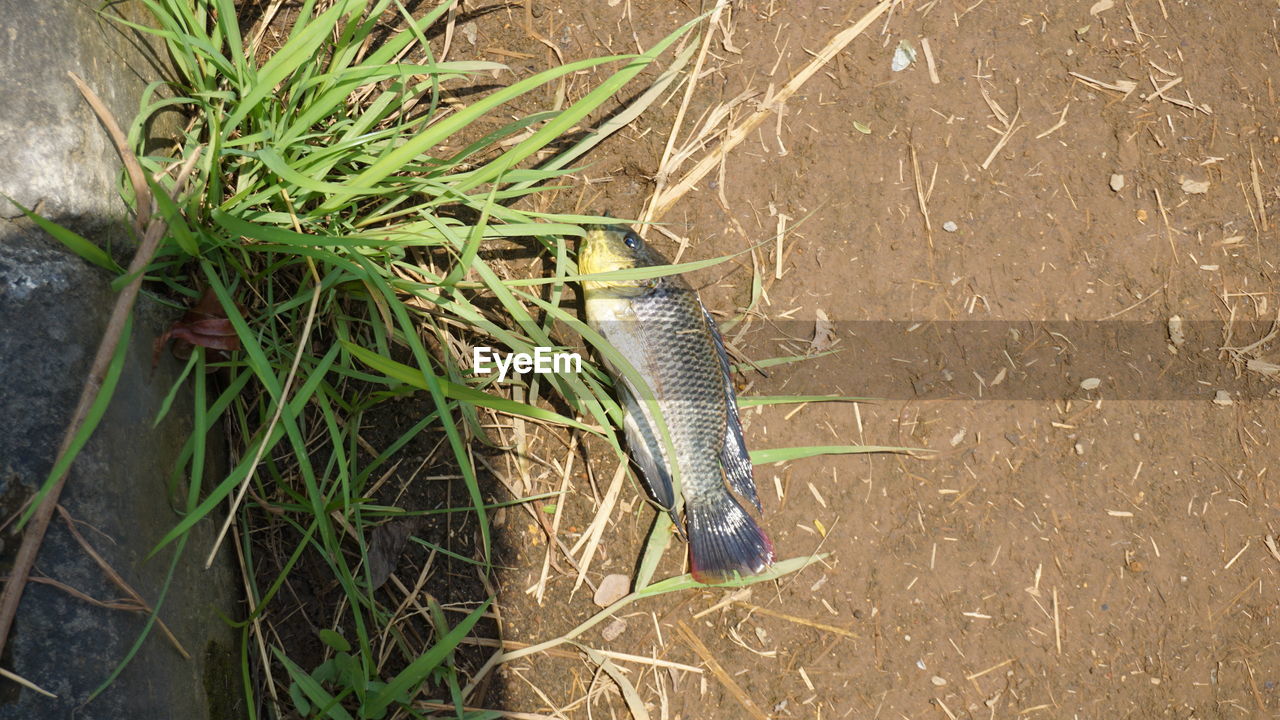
(616, 247)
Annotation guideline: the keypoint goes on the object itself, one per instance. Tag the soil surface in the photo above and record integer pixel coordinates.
(1068, 551)
(997, 237)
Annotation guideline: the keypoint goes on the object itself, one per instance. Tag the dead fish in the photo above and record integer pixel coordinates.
(662, 329)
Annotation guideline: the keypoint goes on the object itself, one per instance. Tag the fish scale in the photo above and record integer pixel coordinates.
(669, 340)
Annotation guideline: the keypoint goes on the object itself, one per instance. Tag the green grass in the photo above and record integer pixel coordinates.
(339, 213)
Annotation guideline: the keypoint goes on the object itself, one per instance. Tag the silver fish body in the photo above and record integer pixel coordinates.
(660, 327)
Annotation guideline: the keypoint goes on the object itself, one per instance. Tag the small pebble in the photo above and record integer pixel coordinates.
(1117, 182)
(612, 589)
(1223, 398)
(1079, 449)
(1195, 187)
(938, 681)
(613, 630)
(950, 226)
(1177, 335)
(1090, 383)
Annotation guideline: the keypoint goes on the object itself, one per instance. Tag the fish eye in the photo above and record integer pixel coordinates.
(631, 241)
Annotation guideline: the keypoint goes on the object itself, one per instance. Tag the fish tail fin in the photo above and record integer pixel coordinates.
(724, 540)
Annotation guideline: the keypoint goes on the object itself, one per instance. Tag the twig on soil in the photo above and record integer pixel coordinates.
(721, 674)
(797, 620)
(1124, 87)
(541, 587)
(539, 518)
(1145, 298)
(980, 673)
(777, 256)
(1257, 189)
(1270, 542)
(1236, 557)
(111, 336)
(1236, 598)
(1012, 127)
(662, 203)
(1168, 229)
(920, 198)
(1062, 120)
(1159, 93)
(1057, 623)
(928, 59)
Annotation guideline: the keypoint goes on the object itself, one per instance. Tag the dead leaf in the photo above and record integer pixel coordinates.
(205, 325)
(386, 542)
(1101, 6)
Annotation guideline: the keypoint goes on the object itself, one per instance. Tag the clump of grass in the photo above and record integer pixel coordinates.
(342, 202)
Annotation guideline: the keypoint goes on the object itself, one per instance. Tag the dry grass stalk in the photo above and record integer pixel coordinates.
(137, 178)
(1236, 598)
(798, 620)
(1062, 120)
(980, 673)
(1257, 189)
(663, 202)
(1141, 300)
(928, 59)
(1124, 87)
(443, 707)
(664, 168)
(920, 196)
(1057, 623)
(595, 531)
(721, 674)
(25, 683)
(140, 604)
(781, 232)
(1011, 127)
(555, 527)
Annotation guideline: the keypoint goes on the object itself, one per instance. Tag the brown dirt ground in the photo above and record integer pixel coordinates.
(1066, 553)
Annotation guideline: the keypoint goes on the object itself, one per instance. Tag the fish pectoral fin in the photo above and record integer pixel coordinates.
(734, 457)
(647, 453)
